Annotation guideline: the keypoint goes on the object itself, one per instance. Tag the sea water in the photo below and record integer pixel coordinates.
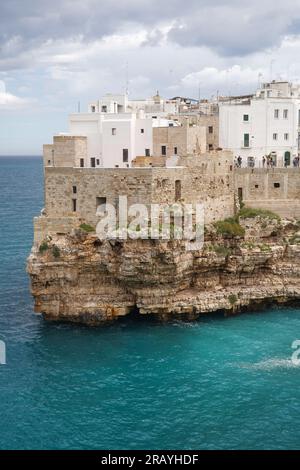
(213, 384)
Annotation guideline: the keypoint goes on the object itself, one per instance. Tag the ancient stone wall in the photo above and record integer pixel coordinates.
(66, 151)
(276, 189)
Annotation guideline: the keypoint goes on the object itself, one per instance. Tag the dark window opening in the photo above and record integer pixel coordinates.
(210, 146)
(81, 163)
(175, 150)
(100, 201)
(246, 117)
(240, 194)
(114, 131)
(93, 162)
(164, 150)
(74, 189)
(49, 162)
(276, 185)
(147, 152)
(210, 129)
(256, 186)
(177, 190)
(125, 155)
(98, 161)
(142, 131)
(74, 205)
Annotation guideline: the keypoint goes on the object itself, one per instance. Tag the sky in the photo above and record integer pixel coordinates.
(54, 54)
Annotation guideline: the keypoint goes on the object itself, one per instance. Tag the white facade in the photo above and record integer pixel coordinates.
(118, 130)
(264, 124)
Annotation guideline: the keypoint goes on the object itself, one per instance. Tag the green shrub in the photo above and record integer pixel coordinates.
(56, 251)
(43, 247)
(265, 248)
(230, 227)
(87, 228)
(221, 250)
(294, 240)
(250, 213)
(232, 299)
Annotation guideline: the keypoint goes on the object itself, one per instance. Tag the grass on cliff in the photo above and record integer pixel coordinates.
(87, 228)
(251, 213)
(230, 227)
(43, 247)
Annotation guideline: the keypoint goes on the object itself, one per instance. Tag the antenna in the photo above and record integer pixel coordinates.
(78, 107)
(127, 80)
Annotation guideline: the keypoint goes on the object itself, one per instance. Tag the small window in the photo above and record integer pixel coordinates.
(49, 162)
(98, 161)
(210, 146)
(164, 150)
(147, 152)
(81, 163)
(286, 136)
(113, 131)
(104, 109)
(275, 136)
(74, 189)
(93, 162)
(125, 155)
(210, 129)
(142, 131)
(276, 185)
(256, 186)
(93, 109)
(246, 140)
(175, 151)
(246, 117)
(276, 113)
(100, 201)
(74, 205)
(285, 113)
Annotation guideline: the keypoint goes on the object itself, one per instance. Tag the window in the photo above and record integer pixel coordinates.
(275, 135)
(104, 109)
(256, 186)
(98, 161)
(100, 205)
(147, 152)
(246, 140)
(286, 136)
(93, 108)
(246, 117)
(177, 190)
(142, 131)
(74, 205)
(49, 162)
(93, 162)
(285, 113)
(164, 150)
(113, 131)
(81, 162)
(125, 155)
(276, 185)
(175, 150)
(74, 189)
(210, 147)
(276, 113)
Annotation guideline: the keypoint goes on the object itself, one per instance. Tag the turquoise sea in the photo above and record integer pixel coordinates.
(214, 384)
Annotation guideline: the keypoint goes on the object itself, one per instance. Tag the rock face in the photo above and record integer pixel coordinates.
(79, 278)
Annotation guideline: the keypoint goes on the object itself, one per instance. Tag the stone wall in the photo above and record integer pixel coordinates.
(276, 189)
(202, 180)
(188, 139)
(66, 151)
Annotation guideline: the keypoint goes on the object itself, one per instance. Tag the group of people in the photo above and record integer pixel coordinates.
(268, 161)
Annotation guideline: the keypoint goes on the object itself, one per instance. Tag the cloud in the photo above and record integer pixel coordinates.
(9, 101)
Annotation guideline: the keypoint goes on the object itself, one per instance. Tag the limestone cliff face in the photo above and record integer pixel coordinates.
(78, 278)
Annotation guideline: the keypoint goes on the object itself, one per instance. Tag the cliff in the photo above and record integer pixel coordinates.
(79, 278)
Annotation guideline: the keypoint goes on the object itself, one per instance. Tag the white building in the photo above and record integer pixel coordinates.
(263, 124)
(118, 130)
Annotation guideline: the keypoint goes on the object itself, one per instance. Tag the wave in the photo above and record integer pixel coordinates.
(271, 364)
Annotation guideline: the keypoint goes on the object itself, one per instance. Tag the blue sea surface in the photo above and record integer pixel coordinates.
(214, 384)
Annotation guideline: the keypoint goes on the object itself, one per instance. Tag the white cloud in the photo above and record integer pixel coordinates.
(9, 101)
